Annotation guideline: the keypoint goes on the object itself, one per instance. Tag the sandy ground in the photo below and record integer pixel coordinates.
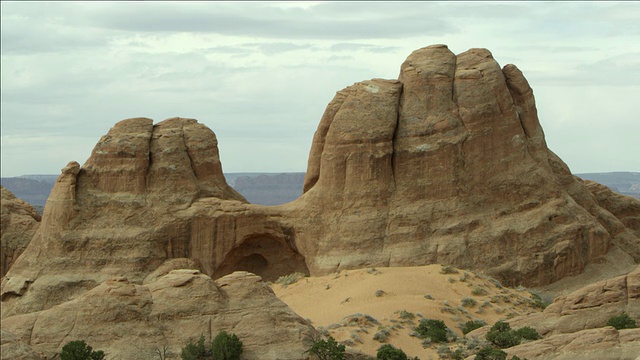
(352, 306)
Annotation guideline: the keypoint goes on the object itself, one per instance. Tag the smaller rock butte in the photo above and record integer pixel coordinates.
(18, 223)
(448, 165)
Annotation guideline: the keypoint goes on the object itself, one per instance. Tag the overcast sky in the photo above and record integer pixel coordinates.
(260, 74)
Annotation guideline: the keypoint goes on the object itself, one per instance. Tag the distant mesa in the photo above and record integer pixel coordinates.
(448, 164)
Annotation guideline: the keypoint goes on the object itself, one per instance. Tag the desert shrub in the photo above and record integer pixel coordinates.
(382, 334)
(194, 351)
(622, 321)
(286, 280)
(79, 350)
(468, 302)
(478, 291)
(502, 336)
(406, 315)
(389, 352)
(226, 347)
(436, 330)
(327, 349)
(490, 353)
(537, 301)
(471, 325)
(528, 333)
(448, 269)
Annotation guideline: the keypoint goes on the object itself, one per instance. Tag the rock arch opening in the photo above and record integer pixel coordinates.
(265, 255)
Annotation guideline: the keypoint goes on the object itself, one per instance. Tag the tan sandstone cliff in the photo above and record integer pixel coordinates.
(448, 164)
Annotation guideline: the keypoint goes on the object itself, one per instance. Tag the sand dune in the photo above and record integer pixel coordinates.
(352, 306)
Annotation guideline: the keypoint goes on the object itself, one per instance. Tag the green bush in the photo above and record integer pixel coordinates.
(79, 350)
(528, 333)
(436, 330)
(226, 347)
(502, 336)
(327, 349)
(388, 352)
(194, 351)
(490, 353)
(622, 321)
(471, 325)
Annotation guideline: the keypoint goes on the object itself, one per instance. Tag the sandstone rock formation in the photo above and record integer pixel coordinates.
(18, 223)
(131, 321)
(625, 208)
(448, 164)
(573, 326)
(592, 344)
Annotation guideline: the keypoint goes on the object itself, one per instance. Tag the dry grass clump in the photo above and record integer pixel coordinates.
(287, 280)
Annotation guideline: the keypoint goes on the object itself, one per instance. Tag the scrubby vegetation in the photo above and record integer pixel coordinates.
(79, 350)
(327, 349)
(435, 330)
(528, 333)
(471, 325)
(224, 346)
(490, 353)
(622, 321)
(502, 336)
(194, 351)
(389, 352)
(447, 269)
(287, 280)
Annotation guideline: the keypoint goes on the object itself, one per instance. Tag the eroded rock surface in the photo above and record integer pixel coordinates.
(448, 165)
(149, 194)
(574, 325)
(18, 223)
(593, 344)
(128, 320)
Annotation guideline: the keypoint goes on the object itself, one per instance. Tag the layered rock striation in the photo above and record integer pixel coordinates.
(449, 165)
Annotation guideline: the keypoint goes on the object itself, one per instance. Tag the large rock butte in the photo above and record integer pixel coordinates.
(447, 164)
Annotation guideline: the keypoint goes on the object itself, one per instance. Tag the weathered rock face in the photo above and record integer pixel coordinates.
(149, 194)
(573, 326)
(593, 344)
(448, 164)
(18, 223)
(130, 321)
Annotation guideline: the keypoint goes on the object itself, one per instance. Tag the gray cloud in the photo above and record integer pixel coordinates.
(261, 74)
